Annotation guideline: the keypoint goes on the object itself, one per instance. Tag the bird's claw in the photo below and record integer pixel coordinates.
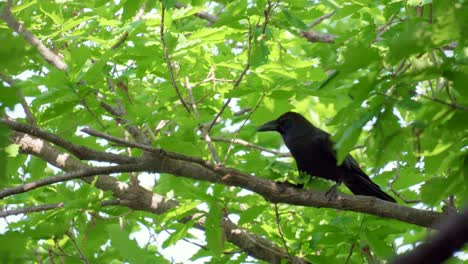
(332, 193)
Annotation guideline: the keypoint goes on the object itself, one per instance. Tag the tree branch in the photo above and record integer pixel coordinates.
(320, 19)
(280, 232)
(190, 167)
(315, 36)
(168, 60)
(138, 198)
(451, 237)
(139, 14)
(202, 128)
(452, 104)
(202, 14)
(32, 209)
(80, 152)
(77, 174)
(22, 100)
(250, 145)
(19, 28)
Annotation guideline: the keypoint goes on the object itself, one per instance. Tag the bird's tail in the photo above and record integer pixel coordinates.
(362, 185)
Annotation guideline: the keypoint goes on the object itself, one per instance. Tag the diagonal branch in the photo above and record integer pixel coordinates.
(451, 238)
(452, 104)
(77, 174)
(27, 111)
(52, 58)
(320, 19)
(138, 198)
(168, 60)
(80, 152)
(242, 125)
(190, 167)
(202, 127)
(138, 16)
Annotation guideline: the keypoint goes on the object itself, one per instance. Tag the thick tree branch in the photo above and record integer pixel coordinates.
(80, 152)
(166, 162)
(315, 36)
(450, 238)
(19, 28)
(138, 198)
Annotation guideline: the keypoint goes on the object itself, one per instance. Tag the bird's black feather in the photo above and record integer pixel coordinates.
(314, 152)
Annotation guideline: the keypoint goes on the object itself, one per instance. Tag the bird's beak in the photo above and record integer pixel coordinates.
(268, 126)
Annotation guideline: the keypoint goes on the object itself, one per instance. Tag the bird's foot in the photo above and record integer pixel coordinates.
(332, 193)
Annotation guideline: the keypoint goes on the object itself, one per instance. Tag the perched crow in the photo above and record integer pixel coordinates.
(313, 151)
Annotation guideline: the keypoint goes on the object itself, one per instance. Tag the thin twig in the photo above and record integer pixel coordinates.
(48, 207)
(27, 111)
(85, 105)
(280, 231)
(81, 173)
(394, 179)
(243, 123)
(202, 14)
(268, 12)
(139, 14)
(315, 36)
(72, 238)
(32, 209)
(244, 143)
(440, 101)
(236, 83)
(320, 19)
(350, 253)
(202, 128)
(168, 60)
(157, 151)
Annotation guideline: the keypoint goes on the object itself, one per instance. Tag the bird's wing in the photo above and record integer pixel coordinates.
(314, 154)
(352, 167)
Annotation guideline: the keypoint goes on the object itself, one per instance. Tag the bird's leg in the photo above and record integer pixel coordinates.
(332, 192)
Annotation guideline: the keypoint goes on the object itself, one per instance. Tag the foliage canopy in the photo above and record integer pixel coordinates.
(386, 78)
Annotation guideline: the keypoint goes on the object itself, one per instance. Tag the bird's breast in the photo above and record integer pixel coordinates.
(312, 158)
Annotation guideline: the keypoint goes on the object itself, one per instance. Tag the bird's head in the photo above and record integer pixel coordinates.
(287, 122)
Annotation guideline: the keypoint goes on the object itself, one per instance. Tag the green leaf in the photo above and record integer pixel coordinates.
(346, 141)
(292, 19)
(213, 229)
(437, 189)
(382, 249)
(180, 233)
(251, 213)
(178, 212)
(12, 150)
(127, 249)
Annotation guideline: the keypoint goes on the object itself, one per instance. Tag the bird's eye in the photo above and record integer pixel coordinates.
(281, 122)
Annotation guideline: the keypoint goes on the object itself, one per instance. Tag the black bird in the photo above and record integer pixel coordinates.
(315, 155)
